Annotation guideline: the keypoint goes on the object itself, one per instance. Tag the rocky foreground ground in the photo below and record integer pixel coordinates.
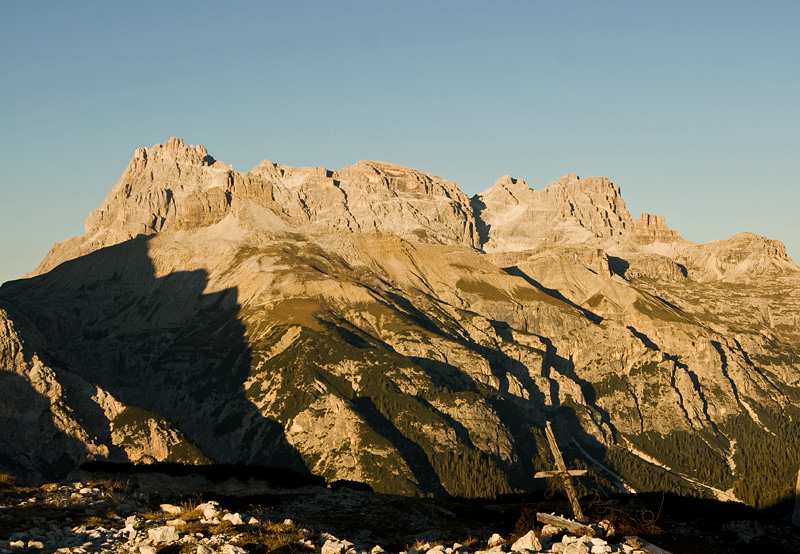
(107, 516)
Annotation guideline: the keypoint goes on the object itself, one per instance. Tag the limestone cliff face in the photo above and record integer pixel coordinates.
(375, 324)
(568, 210)
(174, 186)
(54, 419)
(745, 258)
(654, 227)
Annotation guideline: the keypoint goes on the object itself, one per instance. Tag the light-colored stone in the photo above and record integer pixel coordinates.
(335, 546)
(528, 541)
(209, 509)
(548, 529)
(235, 518)
(495, 540)
(578, 547)
(171, 509)
(164, 534)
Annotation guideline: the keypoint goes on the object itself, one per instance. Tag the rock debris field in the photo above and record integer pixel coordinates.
(98, 517)
(156, 514)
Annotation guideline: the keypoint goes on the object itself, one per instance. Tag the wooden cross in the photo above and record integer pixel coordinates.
(563, 474)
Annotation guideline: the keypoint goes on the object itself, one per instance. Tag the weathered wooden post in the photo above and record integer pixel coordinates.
(564, 475)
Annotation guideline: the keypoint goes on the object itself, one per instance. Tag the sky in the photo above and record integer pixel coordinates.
(693, 108)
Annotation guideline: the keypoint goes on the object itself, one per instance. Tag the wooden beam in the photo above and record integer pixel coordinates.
(562, 467)
(563, 523)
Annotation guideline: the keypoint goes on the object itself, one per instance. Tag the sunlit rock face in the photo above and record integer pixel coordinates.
(375, 324)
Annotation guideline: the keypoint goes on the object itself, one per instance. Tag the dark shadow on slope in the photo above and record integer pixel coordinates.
(566, 367)
(351, 337)
(461, 432)
(517, 272)
(478, 206)
(518, 414)
(397, 302)
(668, 304)
(618, 266)
(754, 367)
(644, 338)
(32, 448)
(159, 344)
(412, 453)
(501, 364)
(445, 376)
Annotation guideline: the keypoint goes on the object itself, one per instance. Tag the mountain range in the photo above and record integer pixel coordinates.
(375, 324)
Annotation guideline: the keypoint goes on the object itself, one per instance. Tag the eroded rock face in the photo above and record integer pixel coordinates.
(569, 210)
(654, 226)
(374, 324)
(178, 187)
(744, 258)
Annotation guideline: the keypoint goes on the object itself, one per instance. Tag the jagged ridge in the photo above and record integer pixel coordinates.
(373, 323)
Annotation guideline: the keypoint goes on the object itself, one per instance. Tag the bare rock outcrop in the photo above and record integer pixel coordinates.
(178, 187)
(654, 226)
(745, 257)
(570, 210)
(375, 324)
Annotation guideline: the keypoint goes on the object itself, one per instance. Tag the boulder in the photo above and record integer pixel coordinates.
(235, 519)
(527, 542)
(165, 534)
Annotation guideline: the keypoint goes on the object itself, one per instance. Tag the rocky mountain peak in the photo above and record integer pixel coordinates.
(180, 187)
(175, 186)
(507, 191)
(174, 150)
(399, 179)
(570, 209)
(373, 324)
(654, 226)
(745, 257)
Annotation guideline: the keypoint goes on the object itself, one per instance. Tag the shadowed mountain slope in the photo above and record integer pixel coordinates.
(375, 324)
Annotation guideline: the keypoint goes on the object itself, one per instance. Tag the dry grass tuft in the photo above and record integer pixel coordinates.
(625, 523)
(423, 545)
(107, 485)
(94, 521)
(156, 514)
(190, 504)
(272, 536)
(190, 515)
(525, 522)
(7, 482)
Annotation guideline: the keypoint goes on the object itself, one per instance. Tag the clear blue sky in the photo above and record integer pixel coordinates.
(693, 108)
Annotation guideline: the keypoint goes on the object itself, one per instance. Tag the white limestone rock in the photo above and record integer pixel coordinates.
(171, 509)
(164, 534)
(527, 542)
(234, 518)
(495, 540)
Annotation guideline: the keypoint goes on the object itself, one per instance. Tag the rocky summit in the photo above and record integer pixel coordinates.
(375, 324)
